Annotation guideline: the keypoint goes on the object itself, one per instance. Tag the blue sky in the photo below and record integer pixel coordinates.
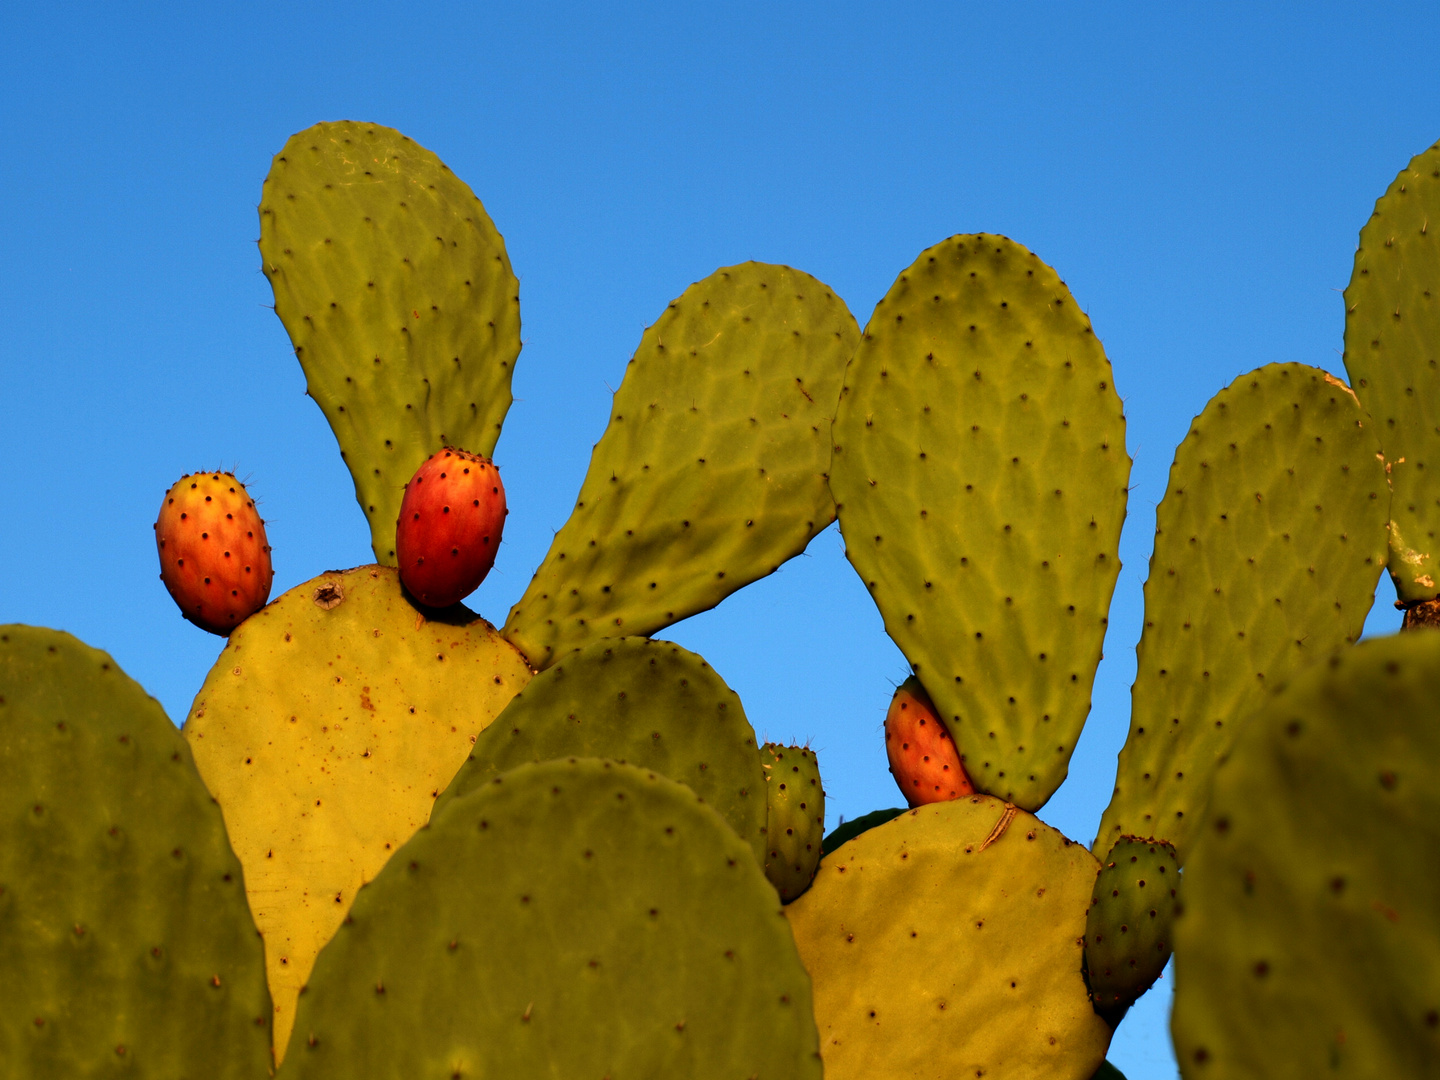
(1197, 174)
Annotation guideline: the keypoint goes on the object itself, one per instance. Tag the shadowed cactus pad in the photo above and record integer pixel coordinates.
(795, 817)
(980, 472)
(646, 703)
(1308, 942)
(1128, 929)
(325, 730)
(1268, 545)
(712, 471)
(125, 940)
(569, 919)
(398, 296)
(948, 942)
(1392, 352)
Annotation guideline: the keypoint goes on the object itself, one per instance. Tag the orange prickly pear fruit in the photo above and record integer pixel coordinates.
(449, 526)
(923, 758)
(214, 557)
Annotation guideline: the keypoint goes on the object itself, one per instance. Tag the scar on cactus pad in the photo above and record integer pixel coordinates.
(449, 526)
(214, 557)
(923, 757)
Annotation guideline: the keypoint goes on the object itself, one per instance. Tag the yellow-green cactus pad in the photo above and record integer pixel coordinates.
(640, 702)
(569, 919)
(948, 943)
(325, 730)
(1308, 939)
(125, 943)
(980, 471)
(398, 296)
(1268, 545)
(1392, 352)
(712, 471)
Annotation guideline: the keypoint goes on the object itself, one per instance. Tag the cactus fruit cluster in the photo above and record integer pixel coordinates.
(393, 839)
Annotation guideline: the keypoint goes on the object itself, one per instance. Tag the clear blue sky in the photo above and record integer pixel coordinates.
(1197, 173)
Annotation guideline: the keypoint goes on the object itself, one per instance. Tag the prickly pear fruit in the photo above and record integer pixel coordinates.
(923, 758)
(1128, 926)
(795, 817)
(214, 558)
(449, 527)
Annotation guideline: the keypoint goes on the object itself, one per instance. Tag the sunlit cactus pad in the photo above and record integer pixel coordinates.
(947, 943)
(1268, 545)
(645, 703)
(570, 919)
(1392, 352)
(398, 296)
(325, 730)
(712, 470)
(1308, 942)
(980, 471)
(125, 941)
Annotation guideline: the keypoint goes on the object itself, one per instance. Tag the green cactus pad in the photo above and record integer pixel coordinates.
(1130, 922)
(712, 471)
(325, 730)
(1268, 545)
(575, 918)
(646, 703)
(1392, 326)
(980, 472)
(948, 942)
(125, 941)
(1308, 940)
(398, 296)
(795, 817)
(848, 830)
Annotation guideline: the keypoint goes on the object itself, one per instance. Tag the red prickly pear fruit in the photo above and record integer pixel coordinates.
(923, 758)
(449, 526)
(214, 557)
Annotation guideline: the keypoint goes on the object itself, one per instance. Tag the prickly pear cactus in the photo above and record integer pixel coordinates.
(1392, 324)
(398, 296)
(1128, 929)
(712, 470)
(1308, 942)
(948, 942)
(325, 730)
(1268, 545)
(795, 817)
(641, 702)
(980, 472)
(848, 830)
(125, 939)
(573, 918)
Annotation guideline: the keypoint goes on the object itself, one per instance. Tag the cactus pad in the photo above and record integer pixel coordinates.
(795, 817)
(948, 942)
(325, 730)
(1308, 941)
(575, 918)
(712, 471)
(848, 830)
(646, 703)
(1392, 327)
(125, 941)
(980, 472)
(1268, 545)
(1130, 922)
(398, 296)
